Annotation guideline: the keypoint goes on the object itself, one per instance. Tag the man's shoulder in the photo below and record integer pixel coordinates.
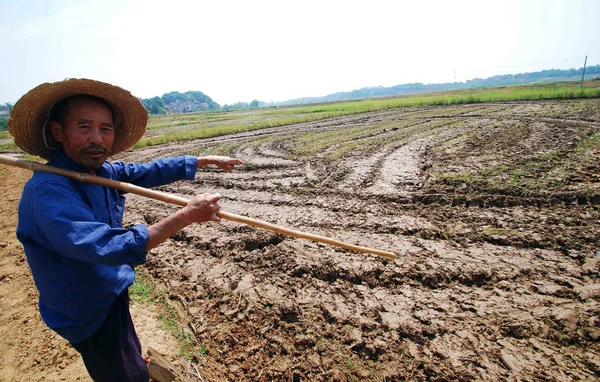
(41, 177)
(42, 180)
(41, 190)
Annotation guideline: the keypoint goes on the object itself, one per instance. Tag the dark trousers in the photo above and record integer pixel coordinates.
(114, 353)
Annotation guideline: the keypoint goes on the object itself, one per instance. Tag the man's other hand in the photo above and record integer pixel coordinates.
(224, 163)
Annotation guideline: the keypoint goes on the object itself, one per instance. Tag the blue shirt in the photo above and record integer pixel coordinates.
(80, 256)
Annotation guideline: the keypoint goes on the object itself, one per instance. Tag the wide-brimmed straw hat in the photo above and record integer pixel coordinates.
(30, 115)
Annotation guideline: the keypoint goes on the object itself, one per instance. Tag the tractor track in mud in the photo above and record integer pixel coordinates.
(493, 280)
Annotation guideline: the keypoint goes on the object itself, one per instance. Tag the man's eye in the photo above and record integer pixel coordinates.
(83, 126)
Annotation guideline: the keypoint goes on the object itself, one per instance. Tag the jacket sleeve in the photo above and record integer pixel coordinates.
(158, 172)
(64, 224)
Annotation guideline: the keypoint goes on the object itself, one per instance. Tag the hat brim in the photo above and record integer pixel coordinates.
(30, 114)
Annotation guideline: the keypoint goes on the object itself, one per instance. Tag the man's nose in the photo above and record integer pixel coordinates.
(96, 133)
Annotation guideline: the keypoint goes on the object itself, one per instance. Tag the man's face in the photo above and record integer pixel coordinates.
(86, 132)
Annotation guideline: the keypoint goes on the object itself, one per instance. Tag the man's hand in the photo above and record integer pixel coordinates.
(203, 208)
(224, 163)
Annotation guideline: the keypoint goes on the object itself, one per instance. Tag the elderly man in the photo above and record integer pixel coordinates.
(81, 257)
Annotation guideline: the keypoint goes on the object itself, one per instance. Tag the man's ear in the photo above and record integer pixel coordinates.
(56, 131)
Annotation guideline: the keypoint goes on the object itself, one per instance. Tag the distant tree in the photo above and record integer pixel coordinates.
(158, 101)
(154, 105)
(9, 106)
(254, 103)
(154, 108)
(237, 105)
(172, 97)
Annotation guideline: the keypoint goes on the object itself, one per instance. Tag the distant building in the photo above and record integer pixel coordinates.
(4, 112)
(189, 106)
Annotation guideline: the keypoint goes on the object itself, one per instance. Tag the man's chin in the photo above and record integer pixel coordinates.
(92, 163)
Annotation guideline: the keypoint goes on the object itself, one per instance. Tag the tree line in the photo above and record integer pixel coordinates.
(549, 75)
(158, 105)
(243, 105)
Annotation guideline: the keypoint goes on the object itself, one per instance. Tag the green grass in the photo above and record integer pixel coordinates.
(455, 178)
(169, 317)
(587, 153)
(358, 139)
(8, 146)
(523, 177)
(173, 128)
(142, 290)
(308, 144)
(206, 125)
(34, 158)
(145, 292)
(459, 97)
(393, 139)
(589, 145)
(227, 149)
(453, 142)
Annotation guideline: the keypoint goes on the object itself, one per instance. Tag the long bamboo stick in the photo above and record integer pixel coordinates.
(177, 200)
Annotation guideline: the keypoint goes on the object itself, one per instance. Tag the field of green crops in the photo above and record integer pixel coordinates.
(171, 128)
(163, 129)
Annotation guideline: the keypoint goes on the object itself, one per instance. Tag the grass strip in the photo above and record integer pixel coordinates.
(206, 125)
(212, 124)
(144, 291)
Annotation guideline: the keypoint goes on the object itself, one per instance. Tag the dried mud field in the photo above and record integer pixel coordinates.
(493, 210)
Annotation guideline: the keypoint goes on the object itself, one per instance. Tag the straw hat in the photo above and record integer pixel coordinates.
(30, 115)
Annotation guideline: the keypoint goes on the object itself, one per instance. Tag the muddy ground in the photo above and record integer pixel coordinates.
(493, 210)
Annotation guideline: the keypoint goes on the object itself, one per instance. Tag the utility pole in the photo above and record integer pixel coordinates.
(583, 75)
(454, 75)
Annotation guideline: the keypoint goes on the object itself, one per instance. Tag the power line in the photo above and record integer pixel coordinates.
(533, 63)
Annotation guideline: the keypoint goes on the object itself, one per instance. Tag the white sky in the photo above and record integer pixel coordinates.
(279, 50)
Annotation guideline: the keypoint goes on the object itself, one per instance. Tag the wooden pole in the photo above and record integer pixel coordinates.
(177, 200)
(583, 75)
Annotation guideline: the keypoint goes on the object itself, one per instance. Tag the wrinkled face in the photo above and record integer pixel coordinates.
(86, 132)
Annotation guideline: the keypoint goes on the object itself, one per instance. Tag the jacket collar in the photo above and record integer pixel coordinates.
(60, 159)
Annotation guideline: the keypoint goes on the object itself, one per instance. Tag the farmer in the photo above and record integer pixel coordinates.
(81, 257)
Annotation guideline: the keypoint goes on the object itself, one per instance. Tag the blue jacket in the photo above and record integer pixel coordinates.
(80, 256)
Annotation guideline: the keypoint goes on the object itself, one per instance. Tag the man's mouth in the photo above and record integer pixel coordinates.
(95, 152)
